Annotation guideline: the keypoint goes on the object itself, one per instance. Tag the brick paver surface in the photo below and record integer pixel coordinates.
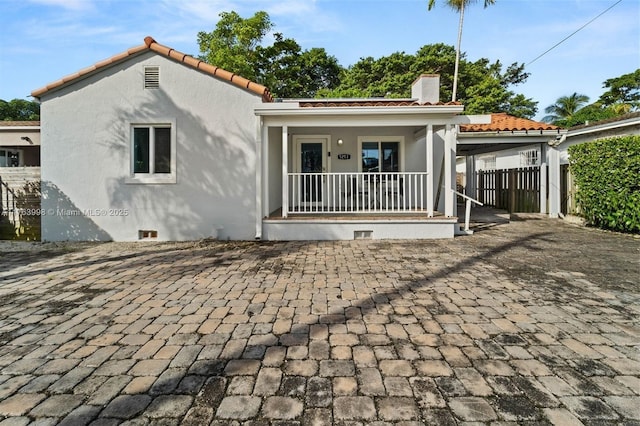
(529, 322)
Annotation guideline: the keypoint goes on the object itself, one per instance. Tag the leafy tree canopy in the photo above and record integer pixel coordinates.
(19, 110)
(623, 90)
(588, 114)
(483, 87)
(237, 45)
(622, 97)
(565, 107)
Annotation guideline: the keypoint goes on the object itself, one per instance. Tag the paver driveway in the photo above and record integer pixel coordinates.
(532, 322)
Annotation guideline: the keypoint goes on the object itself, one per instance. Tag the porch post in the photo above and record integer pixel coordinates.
(265, 171)
(259, 177)
(470, 176)
(285, 170)
(429, 161)
(543, 179)
(449, 146)
(554, 182)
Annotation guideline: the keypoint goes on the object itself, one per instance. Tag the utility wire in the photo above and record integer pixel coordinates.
(573, 33)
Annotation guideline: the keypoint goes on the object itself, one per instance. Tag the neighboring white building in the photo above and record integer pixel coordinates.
(155, 144)
(19, 144)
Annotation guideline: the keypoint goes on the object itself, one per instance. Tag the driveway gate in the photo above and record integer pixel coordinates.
(514, 190)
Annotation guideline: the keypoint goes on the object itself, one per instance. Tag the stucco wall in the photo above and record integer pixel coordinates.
(86, 156)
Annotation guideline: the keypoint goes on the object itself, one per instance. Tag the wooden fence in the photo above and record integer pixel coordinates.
(514, 190)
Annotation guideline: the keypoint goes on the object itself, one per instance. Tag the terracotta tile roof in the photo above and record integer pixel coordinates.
(368, 103)
(151, 44)
(503, 122)
(19, 123)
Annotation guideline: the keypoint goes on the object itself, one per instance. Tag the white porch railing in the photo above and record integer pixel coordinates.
(319, 193)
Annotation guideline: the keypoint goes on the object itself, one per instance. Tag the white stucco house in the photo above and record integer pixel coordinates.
(155, 144)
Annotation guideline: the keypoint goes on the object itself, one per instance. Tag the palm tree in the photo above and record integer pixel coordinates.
(459, 5)
(565, 107)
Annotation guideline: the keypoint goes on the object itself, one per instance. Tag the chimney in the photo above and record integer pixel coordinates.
(426, 89)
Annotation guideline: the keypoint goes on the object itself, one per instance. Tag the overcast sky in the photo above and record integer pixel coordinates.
(43, 40)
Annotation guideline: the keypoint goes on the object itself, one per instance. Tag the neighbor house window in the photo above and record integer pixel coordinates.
(380, 154)
(529, 158)
(153, 153)
(488, 162)
(9, 158)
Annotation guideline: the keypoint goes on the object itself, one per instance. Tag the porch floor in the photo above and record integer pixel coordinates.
(364, 216)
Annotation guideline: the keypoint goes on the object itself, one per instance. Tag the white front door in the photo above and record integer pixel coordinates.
(310, 162)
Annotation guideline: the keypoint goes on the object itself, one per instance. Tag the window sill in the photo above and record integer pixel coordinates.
(171, 179)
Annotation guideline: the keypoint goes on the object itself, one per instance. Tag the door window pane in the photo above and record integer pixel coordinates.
(141, 150)
(311, 157)
(390, 158)
(162, 142)
(3, 158)
(370, 157)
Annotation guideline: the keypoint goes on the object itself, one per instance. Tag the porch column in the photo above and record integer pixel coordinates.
(470, 176)
(259, 177)
(265, 171)
(554, 182)
(285, 170)
(543, 179)
(449, 147)
(429, 161)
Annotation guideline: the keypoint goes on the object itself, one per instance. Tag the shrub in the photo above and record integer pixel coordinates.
(607, 176)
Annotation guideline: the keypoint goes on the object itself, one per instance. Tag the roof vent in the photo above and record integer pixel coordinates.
(151, 77)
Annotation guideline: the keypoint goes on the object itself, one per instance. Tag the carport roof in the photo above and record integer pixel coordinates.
(503, 122)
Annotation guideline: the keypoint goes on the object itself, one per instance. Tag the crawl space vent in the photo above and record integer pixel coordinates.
(362, 235)
(147, 234)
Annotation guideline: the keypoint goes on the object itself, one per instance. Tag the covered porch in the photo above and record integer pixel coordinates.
(345, 169)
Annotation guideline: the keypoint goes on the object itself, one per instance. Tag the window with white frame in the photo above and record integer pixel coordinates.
(487, 162)
(153, 153)
(529, 157)
(10, 158)
(381, 154)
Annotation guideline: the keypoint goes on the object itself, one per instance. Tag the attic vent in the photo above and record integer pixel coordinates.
(151, 77)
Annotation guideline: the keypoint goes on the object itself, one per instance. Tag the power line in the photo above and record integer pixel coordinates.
(573, 33)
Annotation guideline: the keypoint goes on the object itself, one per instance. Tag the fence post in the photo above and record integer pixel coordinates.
(511, 186)
(497, 186)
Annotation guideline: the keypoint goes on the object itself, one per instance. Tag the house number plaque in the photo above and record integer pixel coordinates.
(344, 156)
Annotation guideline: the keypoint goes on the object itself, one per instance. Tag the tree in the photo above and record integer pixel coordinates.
(19, 110)
(483, 85)
(623, 90)
(236, 45)
(565, 107)
(232, 45)
(590, 114)
(459, 6)
(290, 72)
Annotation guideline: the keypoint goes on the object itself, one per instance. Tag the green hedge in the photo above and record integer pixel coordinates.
(607, 176)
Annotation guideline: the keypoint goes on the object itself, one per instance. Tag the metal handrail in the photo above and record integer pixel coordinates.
(8, 191)
(467, 213)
